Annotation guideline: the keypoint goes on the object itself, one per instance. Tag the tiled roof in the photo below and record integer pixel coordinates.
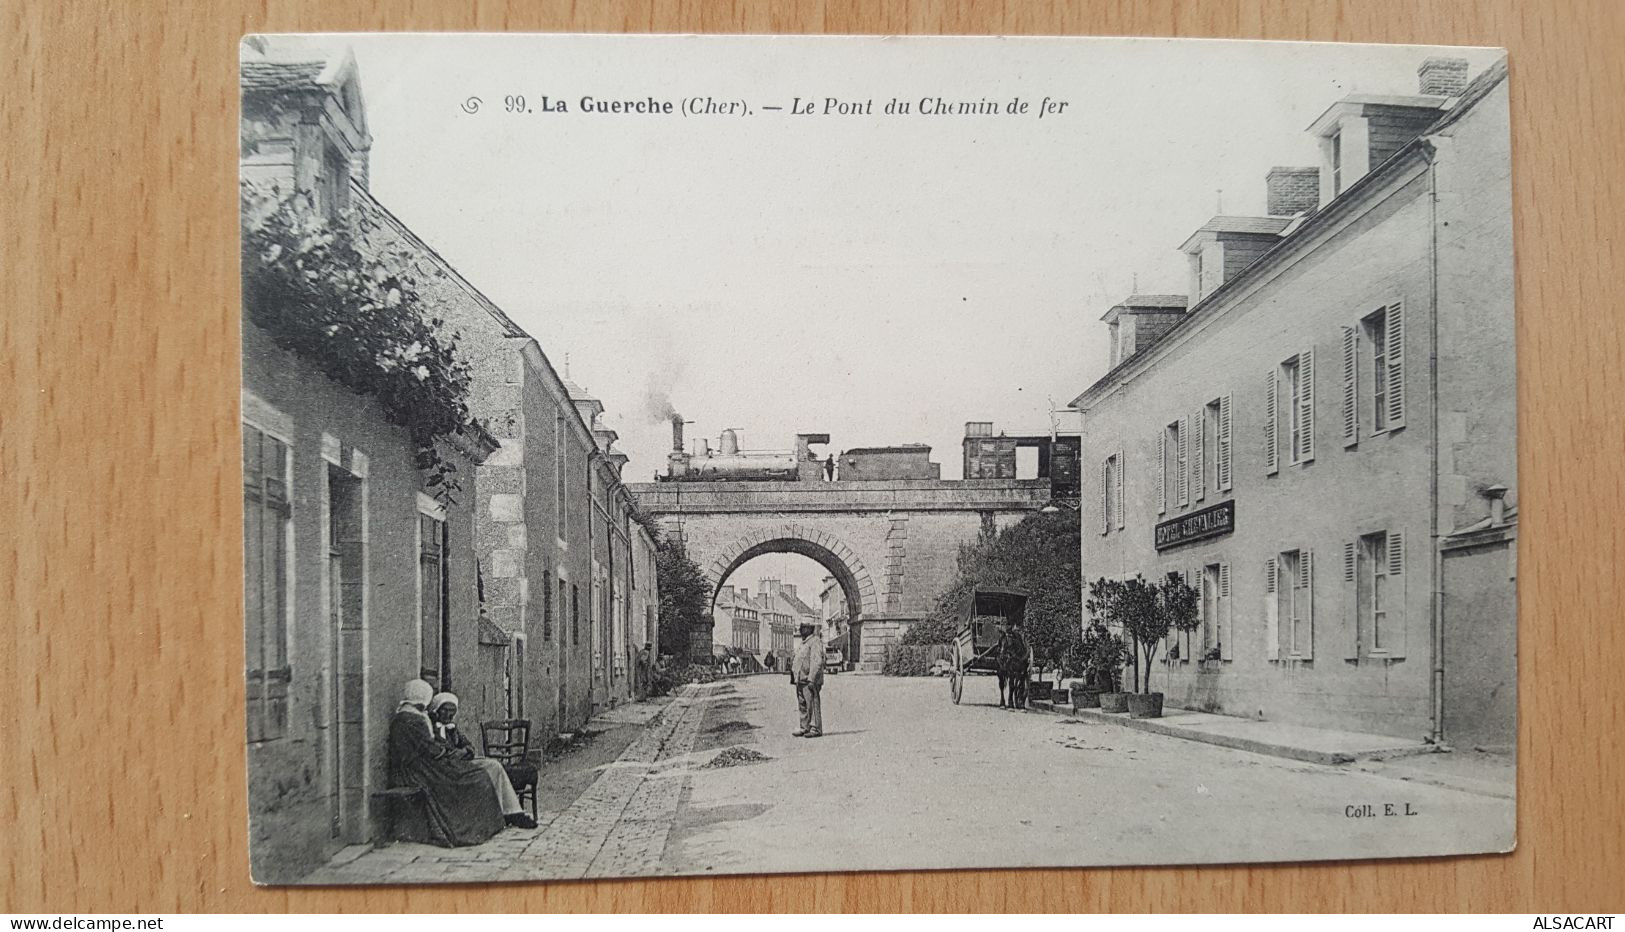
(576, 392)
(1270, 225)
(1475, 91)
(1155, 300)
(281, 76)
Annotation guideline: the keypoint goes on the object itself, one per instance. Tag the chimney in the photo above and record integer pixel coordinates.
(1292, 191)
(1498, 507)
(1442, 77)
(677, 433)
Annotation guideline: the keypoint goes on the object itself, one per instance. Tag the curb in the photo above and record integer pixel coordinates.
(1288, 752)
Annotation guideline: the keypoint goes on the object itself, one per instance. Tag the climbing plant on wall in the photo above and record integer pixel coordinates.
(331, 291)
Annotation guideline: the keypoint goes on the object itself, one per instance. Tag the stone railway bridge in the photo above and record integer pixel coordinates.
(892, 545)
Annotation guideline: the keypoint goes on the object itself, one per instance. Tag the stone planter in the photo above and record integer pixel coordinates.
(1084, 697)
(1145, 705)
(1040, 690)
(1114, 702)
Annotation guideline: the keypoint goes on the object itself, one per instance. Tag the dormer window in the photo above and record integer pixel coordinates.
(1337, 164)
(333, 183)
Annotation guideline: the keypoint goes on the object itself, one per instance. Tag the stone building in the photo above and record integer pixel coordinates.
(356, 578)
(737, 621)
(548, 587)
(1321, 437)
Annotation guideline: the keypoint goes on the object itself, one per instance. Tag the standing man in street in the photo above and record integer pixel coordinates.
(807, 671)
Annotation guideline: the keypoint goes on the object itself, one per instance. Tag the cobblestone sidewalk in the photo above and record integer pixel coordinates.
(617, 827)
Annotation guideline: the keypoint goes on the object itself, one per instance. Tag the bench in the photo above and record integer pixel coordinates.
(393, 798)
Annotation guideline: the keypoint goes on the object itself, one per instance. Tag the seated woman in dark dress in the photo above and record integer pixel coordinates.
(443, 719)
(462, 807)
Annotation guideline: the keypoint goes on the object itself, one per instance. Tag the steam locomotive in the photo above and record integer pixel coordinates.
(729, 463)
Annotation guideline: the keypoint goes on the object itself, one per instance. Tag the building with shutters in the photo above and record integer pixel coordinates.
(1324, 420)
(527, 592)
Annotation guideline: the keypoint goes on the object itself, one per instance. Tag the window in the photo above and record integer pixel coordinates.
(1374, 549)
(1111, 492)
(1375, 563)
(1294, 410)
(564, 603)
(1173, 458)
(1294, 592)
(1108, 493)
(1337, 164)
(432, 593)
(267, 524)
(547, 613)
(332, 183)
(1378, 337)
(1297, 378)
(1214, 588)
(1210, 467)
(1385, 332)
(516, 677)
(561, 464)
(575, 615)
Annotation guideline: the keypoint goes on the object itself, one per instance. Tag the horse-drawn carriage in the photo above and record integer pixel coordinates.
(989, 643)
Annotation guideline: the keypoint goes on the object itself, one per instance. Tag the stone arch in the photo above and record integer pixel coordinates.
(830, 552)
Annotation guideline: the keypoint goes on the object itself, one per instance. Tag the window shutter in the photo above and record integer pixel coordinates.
(1306, 605)
(1121, 478)
(1272, 613)
(1306, 407)
(1182, 463)
(1397, 607)
(1351, 571)
(1198, 441)
(1198, 579)
(1162, 470)
(1271, 455)
(1351, 564)
(1351, 387)
(1226, 634)
(1105, 477)
(1394, 322)
(1170, 638)
(1224, 443)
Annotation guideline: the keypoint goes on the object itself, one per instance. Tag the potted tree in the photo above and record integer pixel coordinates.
(1119, 604)
(1102, 654)
(1147, 624)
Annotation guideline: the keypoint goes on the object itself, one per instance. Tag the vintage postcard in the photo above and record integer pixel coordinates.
(703, 455)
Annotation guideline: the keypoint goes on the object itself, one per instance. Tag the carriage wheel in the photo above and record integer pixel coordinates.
(956, 683)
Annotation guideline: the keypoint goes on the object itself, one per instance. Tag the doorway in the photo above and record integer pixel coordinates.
(347, 678)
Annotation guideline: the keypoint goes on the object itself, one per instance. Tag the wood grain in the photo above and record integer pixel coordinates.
(123, 763)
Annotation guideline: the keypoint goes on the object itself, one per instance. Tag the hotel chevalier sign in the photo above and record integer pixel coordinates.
(1198, 525)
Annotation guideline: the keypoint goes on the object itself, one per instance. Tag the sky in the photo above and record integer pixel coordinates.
(880, 278)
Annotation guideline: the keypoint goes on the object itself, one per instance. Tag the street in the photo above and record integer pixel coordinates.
(904, 779)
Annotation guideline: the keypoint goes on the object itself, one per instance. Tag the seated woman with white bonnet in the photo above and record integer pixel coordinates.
(443, 718)
(463, 803)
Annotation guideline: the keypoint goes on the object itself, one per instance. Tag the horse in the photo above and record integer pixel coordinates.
(1012, 660)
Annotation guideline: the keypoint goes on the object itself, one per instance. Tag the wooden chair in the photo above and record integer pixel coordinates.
(508, 743)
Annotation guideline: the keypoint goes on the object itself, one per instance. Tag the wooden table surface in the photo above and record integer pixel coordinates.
(123, 742)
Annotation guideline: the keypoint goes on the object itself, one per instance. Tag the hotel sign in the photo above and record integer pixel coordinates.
(1198, 525)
